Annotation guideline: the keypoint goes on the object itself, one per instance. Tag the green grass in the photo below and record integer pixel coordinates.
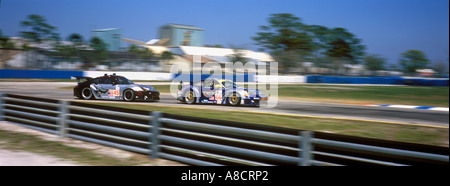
(403, 95)
(30, 143)
(378, 130)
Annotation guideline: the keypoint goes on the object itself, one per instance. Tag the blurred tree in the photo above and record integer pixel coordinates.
(338, 43)
(440, 67)
(99, 53)
(5, 55)
(77, 40)
(133, 49)
(339, 49)
(5, 41)
(374, 62)
(412, 60)
(237, 56)
(286, 35)
(70, 51)
(323, 63)
(98, 44)
(77, 43)
(39, 29)
(142, 53)
(217, 46)
(65, 52)
(166, 55)
(147, 55)
(288, 59)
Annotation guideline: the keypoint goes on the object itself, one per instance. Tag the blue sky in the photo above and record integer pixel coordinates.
(386, 27)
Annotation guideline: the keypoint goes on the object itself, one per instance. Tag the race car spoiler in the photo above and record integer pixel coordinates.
(81, 79)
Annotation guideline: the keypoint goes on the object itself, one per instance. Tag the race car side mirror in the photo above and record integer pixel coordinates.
(180, 86)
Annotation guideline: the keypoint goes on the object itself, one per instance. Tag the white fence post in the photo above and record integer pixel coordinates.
(155, 130)
(2, 107)
(306, 148)
(62, 108)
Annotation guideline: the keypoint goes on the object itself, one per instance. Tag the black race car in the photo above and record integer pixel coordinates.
(113, 87)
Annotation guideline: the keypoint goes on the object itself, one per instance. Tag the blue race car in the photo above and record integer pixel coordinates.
(220, 91)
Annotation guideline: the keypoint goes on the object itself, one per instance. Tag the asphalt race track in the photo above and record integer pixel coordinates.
(284, 107)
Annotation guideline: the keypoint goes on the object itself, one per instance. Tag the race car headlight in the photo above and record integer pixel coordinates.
(137, 89)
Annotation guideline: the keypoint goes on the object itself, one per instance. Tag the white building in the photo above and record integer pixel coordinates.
(217, 55)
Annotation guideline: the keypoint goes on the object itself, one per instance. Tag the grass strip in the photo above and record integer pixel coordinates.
(30, 143)
(379, 95)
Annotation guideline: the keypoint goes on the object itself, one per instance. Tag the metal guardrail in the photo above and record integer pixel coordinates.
(206, 142)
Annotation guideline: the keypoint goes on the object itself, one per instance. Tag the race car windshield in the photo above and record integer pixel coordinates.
(229, 84)
(123, 80)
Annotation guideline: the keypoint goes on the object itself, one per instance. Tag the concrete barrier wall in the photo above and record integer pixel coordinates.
(162, 76)
(196, 77)
(61, 74)
(280, 79)
(158, 76)
(378, 80)
(39, 74)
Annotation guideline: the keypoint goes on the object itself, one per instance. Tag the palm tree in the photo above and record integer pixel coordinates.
(76, 39)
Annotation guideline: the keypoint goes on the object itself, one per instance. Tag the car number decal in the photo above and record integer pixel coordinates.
(218, 96)
(114, 93)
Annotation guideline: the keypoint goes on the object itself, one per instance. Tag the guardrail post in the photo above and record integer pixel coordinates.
(155, 130)
(62, 118)
(2, 107)
(306, 148)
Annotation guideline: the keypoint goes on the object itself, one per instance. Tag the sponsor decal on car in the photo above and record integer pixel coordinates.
(114, 92)
(218, 96)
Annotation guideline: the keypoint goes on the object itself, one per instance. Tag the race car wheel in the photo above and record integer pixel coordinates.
(86, 93)
(234, 99)
(189, 97)
(128, 95)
